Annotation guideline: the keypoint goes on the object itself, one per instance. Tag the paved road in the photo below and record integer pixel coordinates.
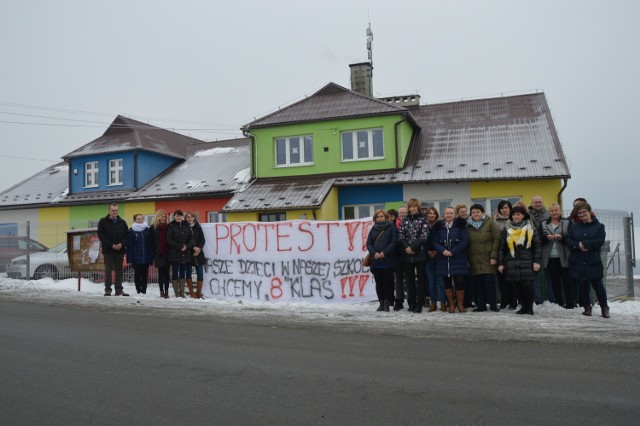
(79, 366)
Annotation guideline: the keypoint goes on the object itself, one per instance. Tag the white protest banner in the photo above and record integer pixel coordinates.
(290, 261)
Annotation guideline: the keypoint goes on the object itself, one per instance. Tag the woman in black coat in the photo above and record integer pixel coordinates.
(197, 255)
(180, 241)
(159, 228)
(585, 240)
(382, 243)
(519, 256)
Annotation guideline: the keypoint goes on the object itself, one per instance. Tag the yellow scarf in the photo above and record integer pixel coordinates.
(518, 236)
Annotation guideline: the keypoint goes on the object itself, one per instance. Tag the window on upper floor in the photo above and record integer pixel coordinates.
(116, 172)
(216, 217)
(361, 211)
(272, 217)
(294, 151)
(362, 145)
(91, 174)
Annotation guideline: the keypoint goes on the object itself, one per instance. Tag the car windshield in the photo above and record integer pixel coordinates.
(60, 248)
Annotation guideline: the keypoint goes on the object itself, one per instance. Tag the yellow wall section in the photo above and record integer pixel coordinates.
(329, 209)
(126, 211)
(242, 217)
(55, 214)
(548, 189)
(53, 225)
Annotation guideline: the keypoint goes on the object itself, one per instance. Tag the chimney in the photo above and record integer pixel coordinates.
(362, 78)
(362, 73)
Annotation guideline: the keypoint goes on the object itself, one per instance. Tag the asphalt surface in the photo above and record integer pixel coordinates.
(74, 365)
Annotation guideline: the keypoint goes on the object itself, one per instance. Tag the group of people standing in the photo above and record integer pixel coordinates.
(175, 247)
(468, 258)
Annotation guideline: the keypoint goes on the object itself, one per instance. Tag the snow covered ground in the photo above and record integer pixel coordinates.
(550, 324)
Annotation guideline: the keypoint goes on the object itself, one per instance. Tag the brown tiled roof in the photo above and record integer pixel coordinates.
(330, 102)
(125, 134)
(281, 194)
(487, 139)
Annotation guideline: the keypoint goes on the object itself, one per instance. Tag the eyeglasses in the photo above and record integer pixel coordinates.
(581, 212)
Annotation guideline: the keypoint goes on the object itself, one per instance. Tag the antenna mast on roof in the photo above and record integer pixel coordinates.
(369, 41)
(362, 72)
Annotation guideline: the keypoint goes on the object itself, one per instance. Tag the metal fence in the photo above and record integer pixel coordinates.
(618, 254)
(40, 249)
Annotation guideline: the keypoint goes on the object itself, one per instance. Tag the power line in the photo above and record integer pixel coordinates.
(28, 158)
(73, 111)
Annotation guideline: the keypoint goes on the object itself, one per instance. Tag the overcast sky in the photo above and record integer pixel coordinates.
(205, 68)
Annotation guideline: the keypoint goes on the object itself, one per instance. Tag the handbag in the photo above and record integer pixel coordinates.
(367, 259)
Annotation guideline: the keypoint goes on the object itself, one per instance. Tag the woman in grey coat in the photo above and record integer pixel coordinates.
(555, 255)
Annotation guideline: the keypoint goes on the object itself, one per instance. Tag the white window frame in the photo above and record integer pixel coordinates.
(288, 151)
(91, 170)
(116, 172)
(216, 217)
(355, 144)
(359, 210)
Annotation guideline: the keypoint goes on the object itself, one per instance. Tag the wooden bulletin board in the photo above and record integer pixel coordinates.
(84, 250)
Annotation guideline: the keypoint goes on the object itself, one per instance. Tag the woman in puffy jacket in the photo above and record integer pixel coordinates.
(519, 256)
(140, 252)
(180, 241)
(382, 243)
(413, 235)
(585, 239)
(450, 240)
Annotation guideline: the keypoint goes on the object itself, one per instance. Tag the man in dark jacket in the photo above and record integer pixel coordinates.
(113, 232)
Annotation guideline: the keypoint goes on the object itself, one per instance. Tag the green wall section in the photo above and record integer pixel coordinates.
(87, 214)
(327, 150)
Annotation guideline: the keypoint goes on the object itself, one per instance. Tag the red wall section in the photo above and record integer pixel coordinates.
(202, 207)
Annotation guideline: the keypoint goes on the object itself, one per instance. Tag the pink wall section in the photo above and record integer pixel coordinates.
(197, 206)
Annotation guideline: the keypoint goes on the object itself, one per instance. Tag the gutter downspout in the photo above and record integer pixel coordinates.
(252, 152)
(395, 130)
(564, 186)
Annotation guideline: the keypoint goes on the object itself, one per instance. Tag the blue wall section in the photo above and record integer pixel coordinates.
(151, 165)
(77, 179)
(368, 194)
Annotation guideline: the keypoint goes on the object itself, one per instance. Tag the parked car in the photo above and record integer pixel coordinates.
(53, 263)
(12, 246)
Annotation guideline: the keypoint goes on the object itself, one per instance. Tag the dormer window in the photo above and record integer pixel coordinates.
(362, 145)
(294, 151)
(116, 172)
(91, 174)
